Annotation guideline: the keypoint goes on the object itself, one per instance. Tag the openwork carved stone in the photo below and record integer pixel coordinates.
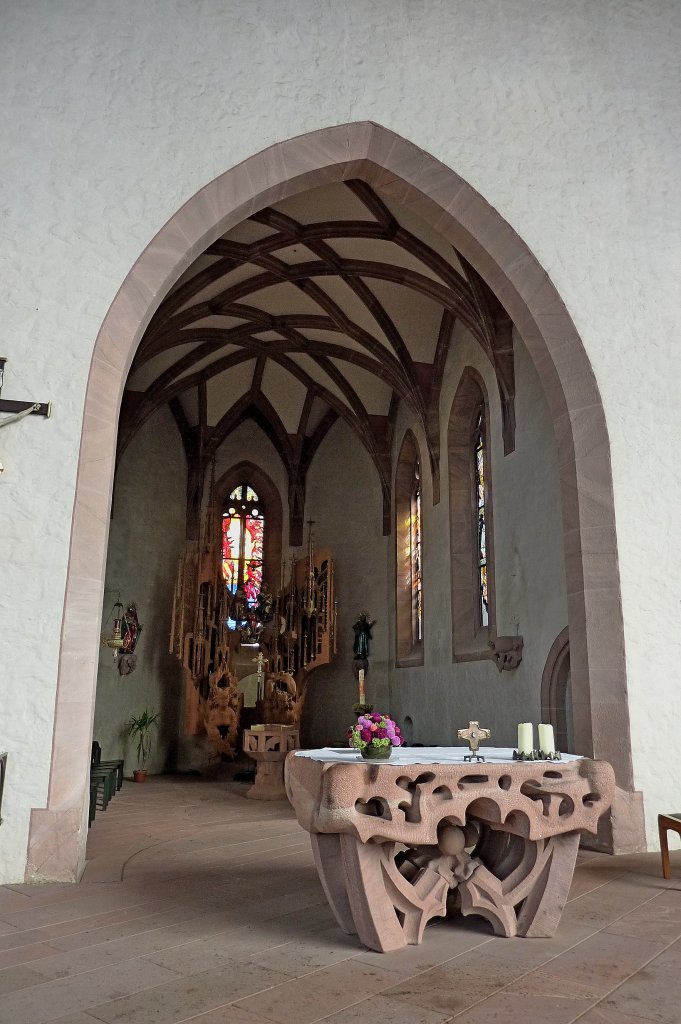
(498, 840)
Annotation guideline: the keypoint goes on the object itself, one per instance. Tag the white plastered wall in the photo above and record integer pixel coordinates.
(565, 117)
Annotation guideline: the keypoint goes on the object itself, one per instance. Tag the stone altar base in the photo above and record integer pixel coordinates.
(396, 845)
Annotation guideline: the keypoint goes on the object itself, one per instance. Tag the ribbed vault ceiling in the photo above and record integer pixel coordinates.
(333, 303)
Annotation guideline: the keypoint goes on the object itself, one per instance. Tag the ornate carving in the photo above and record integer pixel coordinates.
(394, 850)
(506, 651)
(221, 712)
(279, 703)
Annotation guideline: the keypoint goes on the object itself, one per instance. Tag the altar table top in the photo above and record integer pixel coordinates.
(426, 755)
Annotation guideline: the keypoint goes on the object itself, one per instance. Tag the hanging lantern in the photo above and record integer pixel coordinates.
(115, 640)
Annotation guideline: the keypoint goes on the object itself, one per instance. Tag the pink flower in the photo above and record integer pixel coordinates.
(396, 741)
(366, 735)
(381, 734)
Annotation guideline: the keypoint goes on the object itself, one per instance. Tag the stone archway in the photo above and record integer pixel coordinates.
(556, 696)
(394, 168)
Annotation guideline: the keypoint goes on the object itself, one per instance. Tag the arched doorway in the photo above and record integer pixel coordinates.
(556, 692)
(397, 169)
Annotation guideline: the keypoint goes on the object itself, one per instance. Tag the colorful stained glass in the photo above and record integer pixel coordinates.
(481, 517)
(415, 543)
(243, 531)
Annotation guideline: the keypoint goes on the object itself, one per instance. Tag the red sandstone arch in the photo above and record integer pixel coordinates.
(397, 169)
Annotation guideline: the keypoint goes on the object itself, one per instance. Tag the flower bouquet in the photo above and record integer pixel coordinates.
(375, 736)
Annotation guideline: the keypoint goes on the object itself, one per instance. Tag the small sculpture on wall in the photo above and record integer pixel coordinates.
(506, 652)
(360, 648)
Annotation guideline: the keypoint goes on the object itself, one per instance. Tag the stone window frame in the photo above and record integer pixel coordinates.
(408, 647)
(271, 502)
(470, 639)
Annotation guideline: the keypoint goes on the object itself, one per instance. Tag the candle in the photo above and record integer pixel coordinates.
(547, 744)
(525, 738)
(362, 694)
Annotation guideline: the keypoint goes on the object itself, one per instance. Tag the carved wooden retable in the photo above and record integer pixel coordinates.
(397, 844)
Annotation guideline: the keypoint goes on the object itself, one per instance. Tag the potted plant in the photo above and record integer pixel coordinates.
(139, 727)
(375, 736)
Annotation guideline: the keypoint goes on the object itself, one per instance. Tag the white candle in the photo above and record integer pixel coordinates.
(546, 740)
(362, 694)
(525, 738)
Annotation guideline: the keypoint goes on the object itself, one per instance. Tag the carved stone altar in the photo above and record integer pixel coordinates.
(498, 840)
(268, 747)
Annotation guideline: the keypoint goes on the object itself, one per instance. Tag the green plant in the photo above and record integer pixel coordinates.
(139, 728)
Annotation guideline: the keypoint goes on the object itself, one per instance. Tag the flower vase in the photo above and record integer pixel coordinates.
(372, 753)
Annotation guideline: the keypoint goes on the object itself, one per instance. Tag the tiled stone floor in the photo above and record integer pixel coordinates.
(199, 905)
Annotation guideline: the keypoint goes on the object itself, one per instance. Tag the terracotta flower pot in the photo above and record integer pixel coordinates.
(139, 775)
(373, 753)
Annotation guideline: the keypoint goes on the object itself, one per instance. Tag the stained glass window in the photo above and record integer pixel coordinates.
(480, 514)
(415, 539)
(243, 530)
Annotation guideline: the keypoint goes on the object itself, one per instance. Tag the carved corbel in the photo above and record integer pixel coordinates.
(506, 651)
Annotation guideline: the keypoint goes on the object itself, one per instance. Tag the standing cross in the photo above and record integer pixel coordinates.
(260, 662)
(472, 735)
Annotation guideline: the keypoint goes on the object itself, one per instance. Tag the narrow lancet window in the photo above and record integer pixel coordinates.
(415, 556)
(479, 443)
(409, 554)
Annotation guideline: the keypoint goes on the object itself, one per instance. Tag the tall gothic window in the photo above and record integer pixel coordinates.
(471, 526)
(479, 445)
(409, 554)
(243, 535)
(415, 555)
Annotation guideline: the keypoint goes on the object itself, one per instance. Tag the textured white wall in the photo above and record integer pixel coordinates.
(564, 116)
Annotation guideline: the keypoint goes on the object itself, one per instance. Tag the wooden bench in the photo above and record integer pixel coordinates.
(106, 778)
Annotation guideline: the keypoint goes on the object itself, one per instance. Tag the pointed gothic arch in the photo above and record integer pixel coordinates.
(398, 169)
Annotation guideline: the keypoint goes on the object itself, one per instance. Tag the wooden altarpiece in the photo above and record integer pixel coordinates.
(300, 636)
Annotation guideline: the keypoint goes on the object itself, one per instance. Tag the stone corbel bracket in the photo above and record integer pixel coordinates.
(506, 651)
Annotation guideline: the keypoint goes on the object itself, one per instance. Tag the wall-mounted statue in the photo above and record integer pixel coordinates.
(362, 629)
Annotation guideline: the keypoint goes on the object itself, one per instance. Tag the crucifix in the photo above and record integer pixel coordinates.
(260, 662)
(19, 409)
(472, 735)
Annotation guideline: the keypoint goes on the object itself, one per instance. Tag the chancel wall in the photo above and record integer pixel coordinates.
(564, 117)
(442, 695)
(146, 538)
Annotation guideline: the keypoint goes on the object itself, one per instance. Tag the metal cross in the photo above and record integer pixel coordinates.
(472, 735)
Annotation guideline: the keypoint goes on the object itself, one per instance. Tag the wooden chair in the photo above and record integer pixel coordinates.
(664, 823)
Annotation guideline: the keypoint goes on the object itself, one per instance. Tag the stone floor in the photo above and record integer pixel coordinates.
(199, 905)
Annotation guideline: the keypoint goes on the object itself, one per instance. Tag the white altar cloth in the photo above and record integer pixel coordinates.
(424, 755)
